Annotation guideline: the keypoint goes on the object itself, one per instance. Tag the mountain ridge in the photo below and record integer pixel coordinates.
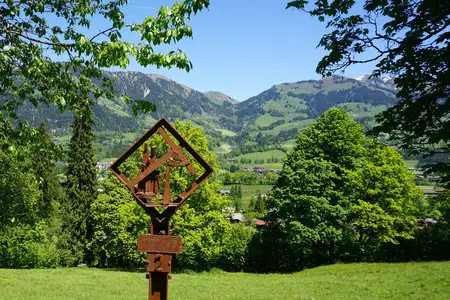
(219, 97)
(274, 115)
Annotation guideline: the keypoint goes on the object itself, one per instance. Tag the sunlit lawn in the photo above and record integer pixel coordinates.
(340, 281)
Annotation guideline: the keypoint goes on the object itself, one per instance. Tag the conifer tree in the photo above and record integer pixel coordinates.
(81, 183)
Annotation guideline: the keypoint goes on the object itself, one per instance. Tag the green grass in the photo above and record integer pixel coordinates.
(264, 155)
(341, 281)
(297, 124)
(272, 165)
(108, 159)
(298, 88)
(114, 107)
(287, 105)
(266, 119)
(411, 163)
(249, 191)
(288, 145)
(426, 187)
(226, 132)
(335, 87)
(225, 148)
(357, 109)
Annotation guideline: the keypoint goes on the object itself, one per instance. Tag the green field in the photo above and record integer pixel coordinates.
(288, 145)
(411, 163)
(226, 132)
(249, 191)
(286, 126)
(341, 281)
(265, 155)
(357, 109)
(266, 119)
(224, 148)
(426, 187)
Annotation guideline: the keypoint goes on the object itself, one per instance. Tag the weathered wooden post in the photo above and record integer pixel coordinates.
(145, 187)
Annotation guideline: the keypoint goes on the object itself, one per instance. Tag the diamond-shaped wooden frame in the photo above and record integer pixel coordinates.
(162, 127)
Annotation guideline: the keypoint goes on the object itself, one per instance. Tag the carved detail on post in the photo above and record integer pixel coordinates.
(159, 244)
(145, 187)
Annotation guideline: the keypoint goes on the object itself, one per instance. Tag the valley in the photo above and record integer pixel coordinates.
(253, 136)
(271, 119)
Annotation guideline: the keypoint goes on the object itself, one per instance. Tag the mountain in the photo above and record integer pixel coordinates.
(173, 100)
(284, 109)
(116, 126)
(274, 116)
(387, 81)
(219, 97)
(313, 97)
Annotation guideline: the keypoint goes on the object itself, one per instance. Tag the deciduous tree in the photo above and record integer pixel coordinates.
(49, 52)
(408, 40)
(337, 185)
(44, 156)
(202, 222)
(28, 236)
(384, 201)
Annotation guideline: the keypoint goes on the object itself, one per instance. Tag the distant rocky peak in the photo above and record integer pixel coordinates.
(384, 78)
(171, 86)
(387, 80)
(219, 97)
(362, 78)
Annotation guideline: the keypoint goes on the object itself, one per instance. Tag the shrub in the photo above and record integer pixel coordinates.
(233, 257)
(28, 247)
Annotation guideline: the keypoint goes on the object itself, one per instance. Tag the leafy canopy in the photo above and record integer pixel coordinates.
(407, 39)
(35, 36)
(202, 222)
(341, 192)
(30, 194)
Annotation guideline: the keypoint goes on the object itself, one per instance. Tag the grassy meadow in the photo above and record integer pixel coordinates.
(250, 191)
(256, 157)
(341, 281)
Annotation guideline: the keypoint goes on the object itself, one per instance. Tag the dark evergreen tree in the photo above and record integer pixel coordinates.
(239, 192)
(258, 203)
(81, 184)
(251, 205)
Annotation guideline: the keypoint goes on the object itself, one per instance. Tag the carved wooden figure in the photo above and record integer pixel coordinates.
(145, 187)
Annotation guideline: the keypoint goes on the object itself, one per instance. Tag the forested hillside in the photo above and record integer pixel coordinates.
(283, 110)
(276, 115)
(172, 100)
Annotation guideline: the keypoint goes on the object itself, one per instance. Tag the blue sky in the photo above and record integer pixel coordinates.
(242, 48)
